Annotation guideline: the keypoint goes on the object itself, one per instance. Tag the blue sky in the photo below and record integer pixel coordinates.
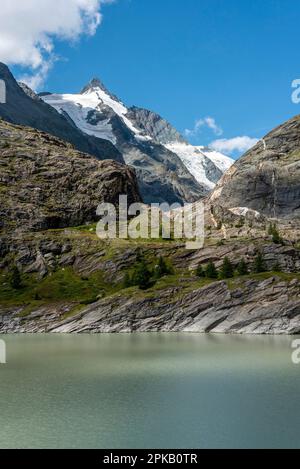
(231, 60)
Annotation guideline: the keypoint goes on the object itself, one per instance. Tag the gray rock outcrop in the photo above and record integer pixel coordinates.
(45, 183)
(269, 306)
(267, 178)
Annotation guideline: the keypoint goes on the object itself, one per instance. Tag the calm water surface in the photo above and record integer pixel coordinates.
(149, 391)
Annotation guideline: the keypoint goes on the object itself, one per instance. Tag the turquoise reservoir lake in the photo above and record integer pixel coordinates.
(149, 391)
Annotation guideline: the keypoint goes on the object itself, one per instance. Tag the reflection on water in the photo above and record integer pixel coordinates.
(149, 391)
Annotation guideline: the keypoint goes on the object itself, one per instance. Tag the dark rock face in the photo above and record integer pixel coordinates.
(23, 107)
(161, 174)
(96, 83)
(267, 178)
(29, 92)
(46, 184)
(154, 125)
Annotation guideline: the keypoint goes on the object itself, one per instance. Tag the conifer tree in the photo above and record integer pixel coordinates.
(242, 268)
(200, 272)
(211, 271)
(273, 231)
(15, 279)
(276, 238)
(162, 268)
(259, 264)
(227, 270)
(142, 276)
(127, 281)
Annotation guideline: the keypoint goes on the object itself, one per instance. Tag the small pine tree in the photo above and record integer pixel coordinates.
(200, 272)
(127, 281)
(227, 270)
(162, 268)
(211, 271)
(15, 279)
(142, 276)
(276, 238)
(270, 229)
(273, 231)
(242, 268)
(259, 264)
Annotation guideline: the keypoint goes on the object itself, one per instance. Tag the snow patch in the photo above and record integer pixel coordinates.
(221, 161)
(243, 211)
(78, 106)
(194, 158)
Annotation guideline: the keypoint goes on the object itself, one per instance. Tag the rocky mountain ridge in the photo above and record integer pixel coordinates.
(147, 142)
(24, 107)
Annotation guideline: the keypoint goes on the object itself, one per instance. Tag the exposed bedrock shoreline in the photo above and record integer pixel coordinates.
(270, 306)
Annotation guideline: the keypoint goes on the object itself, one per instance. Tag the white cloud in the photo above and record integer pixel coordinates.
(29, 27)
(209, 122)
(237, 144)
(35, 81)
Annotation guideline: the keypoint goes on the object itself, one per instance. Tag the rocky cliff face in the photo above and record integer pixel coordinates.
(205, 165)
(267, 178)
(45, 183)
(23, 107)
(154, 125)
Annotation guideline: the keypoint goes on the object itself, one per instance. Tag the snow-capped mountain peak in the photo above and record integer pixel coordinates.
(169, 168)
(88, 110)
(97, 92)
(94, 84)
